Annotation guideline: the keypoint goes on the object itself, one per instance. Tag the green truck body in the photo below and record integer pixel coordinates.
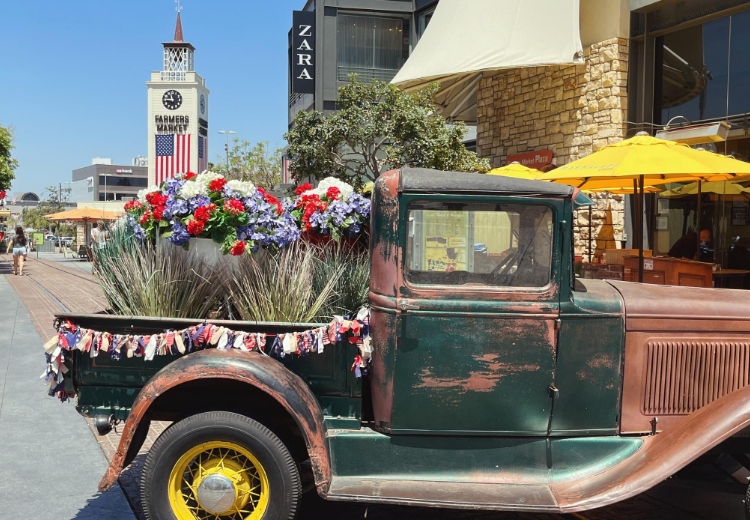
(498, 380)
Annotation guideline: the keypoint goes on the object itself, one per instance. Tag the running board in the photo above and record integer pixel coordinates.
(457, 495)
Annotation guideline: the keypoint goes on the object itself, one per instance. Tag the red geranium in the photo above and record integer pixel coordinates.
(333, 193)
(156, 198)
(303, 188)
(203, 213)
(158, 213)
(195, 227)
(234, 206)
(238, 248)
(190, 175)
(144, 218)
(217, 184)
(131, 205)
(273, 200)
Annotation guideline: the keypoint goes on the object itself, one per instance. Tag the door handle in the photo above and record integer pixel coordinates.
(404, 305)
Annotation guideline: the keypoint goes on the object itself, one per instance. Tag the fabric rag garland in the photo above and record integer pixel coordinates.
(70, 337)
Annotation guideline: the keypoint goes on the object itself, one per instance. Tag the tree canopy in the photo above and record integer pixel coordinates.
(252, 162)
(54, 200)
(8, 164)
(378, 127)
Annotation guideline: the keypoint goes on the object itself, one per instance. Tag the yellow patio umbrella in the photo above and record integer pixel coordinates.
(84, 215)
(651, 160)
(720, 188)
(647, 160)
(518, 171)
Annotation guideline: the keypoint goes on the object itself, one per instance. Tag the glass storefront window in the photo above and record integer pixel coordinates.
(369, 46)
(705, 70)
(739, 64)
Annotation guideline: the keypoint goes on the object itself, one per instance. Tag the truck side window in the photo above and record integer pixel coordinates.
(487, 244)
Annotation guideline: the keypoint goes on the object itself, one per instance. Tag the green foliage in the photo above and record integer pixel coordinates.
(53, 201)
(378, 127)
(252, 162)
(279, 287)
(156, 279)
(351, 286)
(8, 164)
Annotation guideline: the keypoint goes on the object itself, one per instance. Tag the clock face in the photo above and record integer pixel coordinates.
(203, 104)
(172, 100)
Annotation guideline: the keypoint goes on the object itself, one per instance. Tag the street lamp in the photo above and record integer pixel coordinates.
(226, 146)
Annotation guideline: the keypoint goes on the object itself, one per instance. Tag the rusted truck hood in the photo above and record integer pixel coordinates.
(684, 309)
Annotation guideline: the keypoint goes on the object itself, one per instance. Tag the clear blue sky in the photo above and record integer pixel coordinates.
(73, 76)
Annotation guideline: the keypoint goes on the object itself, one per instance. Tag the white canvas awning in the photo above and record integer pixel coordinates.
(466, 38)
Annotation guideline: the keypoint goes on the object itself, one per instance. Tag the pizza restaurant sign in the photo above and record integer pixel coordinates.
(536, 160)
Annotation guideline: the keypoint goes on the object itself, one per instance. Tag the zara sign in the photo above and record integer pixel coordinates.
(303, 52)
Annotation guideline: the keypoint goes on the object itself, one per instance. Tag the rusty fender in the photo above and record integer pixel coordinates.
(261, 372)
(661, 456)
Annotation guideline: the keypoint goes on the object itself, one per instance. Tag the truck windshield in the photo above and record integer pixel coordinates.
(489, 244)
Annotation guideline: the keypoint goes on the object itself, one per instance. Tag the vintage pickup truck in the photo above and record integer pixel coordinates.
(498, 379)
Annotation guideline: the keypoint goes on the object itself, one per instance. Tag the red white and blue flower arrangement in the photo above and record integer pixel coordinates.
(242, 217)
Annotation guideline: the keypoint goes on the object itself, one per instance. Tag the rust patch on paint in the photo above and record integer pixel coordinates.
(601, 361)
(483, 380)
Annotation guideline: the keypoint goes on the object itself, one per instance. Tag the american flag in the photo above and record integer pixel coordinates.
(172, 155)
(202, 153)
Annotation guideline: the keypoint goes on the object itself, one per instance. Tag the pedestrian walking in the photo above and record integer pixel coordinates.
(98, 235)
(18, 244)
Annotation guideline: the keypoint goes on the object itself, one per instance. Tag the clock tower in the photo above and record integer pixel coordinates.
(177, 113)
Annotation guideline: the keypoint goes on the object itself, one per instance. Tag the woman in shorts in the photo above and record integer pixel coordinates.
(18, 245)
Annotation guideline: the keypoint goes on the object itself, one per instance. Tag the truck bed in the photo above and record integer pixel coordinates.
(106, 386)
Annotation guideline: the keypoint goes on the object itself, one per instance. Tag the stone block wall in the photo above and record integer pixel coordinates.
(571, 110)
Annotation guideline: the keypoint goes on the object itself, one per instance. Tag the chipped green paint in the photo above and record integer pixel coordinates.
(521, 460)
(589, 362)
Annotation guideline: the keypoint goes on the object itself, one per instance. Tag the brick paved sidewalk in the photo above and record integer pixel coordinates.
(55, 286)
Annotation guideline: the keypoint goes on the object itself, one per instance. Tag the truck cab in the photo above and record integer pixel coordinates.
(498, 380)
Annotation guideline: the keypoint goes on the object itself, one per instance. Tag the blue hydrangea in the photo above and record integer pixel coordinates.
(175, 208)
(179, 236)
(198, 202)
(173, 186)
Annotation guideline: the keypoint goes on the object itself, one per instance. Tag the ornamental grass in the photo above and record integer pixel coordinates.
(281, 286)
(157, 279)
(351, 286)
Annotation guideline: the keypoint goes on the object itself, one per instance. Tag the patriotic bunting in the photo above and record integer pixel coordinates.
(206, 335)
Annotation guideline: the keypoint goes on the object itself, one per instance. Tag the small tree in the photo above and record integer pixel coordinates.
(53, 202)
(8, 164)
(377, 127)
(252, 162)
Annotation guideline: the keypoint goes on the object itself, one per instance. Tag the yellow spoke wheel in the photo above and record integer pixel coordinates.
(218, 480)
(219, 465)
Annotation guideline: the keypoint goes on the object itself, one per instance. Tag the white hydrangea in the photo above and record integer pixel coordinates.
(344, 188)
(199, 184)
(192, 188)
(142, 193)
(207, 176)
(244, 188)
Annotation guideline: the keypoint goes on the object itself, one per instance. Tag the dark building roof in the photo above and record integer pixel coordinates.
(423, 180)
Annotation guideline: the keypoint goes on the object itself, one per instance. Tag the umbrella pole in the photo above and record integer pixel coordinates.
(698, 224)
(640, 228)
(590, 251)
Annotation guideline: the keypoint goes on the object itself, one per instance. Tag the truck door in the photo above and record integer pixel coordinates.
(477, 312)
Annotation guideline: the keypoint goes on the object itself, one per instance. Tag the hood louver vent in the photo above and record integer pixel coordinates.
(682, 377)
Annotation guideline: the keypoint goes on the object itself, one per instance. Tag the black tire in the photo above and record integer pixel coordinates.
(281, 470)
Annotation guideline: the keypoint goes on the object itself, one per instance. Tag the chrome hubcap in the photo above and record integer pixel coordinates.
(217, 493)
